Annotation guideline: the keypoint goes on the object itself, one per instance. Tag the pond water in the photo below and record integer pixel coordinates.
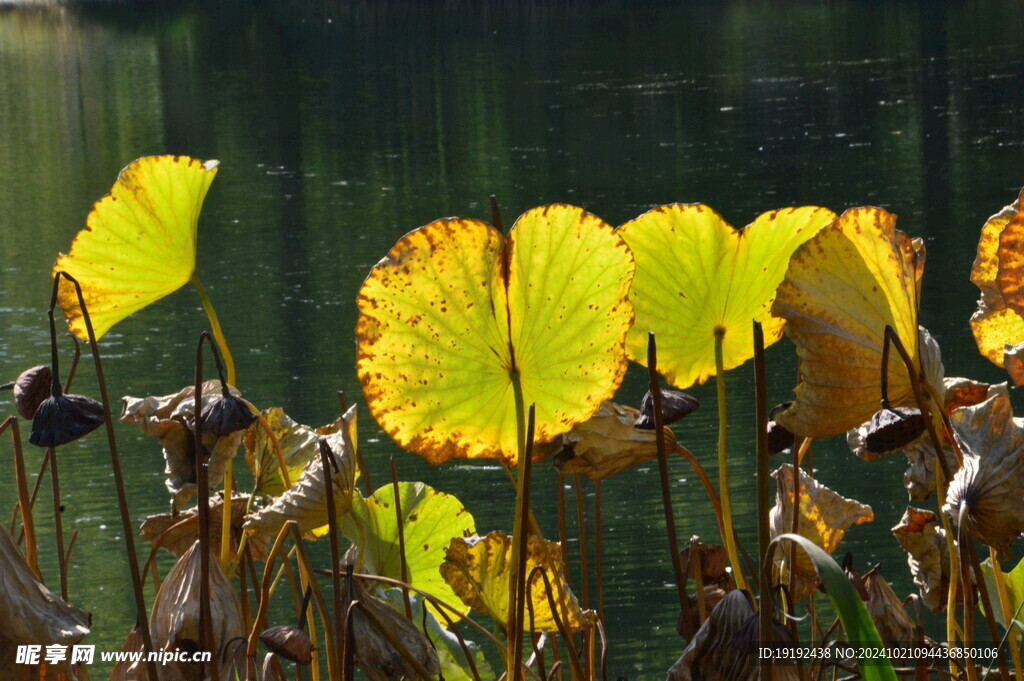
(342, 125)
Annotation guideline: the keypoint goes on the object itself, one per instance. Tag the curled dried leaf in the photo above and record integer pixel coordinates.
(298, 444)
(289, 642)
(177, 533)
(985, 494)
(306, 501)
(169, 419)
(922, 537)
(606, 443)
(894, 625)
(824, 518)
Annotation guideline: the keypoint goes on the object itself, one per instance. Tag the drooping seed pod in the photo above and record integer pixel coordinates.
(674, 406)
(30, 389)
(289, 642)
(64, 418)
(892, 429)
(227, 414)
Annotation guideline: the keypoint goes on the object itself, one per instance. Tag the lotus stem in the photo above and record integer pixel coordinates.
(538, 654)
(24, 501)
(597, 550)
(58, 522)
(520, 542)
(723, 464)
(225, 518)
(364, 472)
(404, 565)
(327, 460)
(577, 670)
(563, 534)
(115, 459)
(767, 623)
(986, 603)
(218, 334)
(1004, 606)
(581, 520)
(202, 482)
(43, 466)
(697, 570)
(666, 492)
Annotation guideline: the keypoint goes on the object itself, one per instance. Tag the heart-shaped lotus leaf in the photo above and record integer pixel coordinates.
(177, 533)
(430, 520)
(139, 243)
(697, 276)
(986, 492)
(920, 534)
(457, 311)
(998, 271)
(306, 501)
(477, 569)
(1014, 580)
(843, 287)
(606, 443)
(298, 444)
(824, 518)
(174, 621)
(169, 419)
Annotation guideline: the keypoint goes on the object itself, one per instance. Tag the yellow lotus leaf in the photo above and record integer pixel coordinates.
(998, 271)
(824, 518)
(606, 443)
(477, 570)
(696, 275)
(457, 311)
(843, 287)
(139, 243)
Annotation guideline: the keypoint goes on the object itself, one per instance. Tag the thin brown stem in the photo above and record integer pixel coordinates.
(767, 624)
(203, 485)
(24, 501)
(598, 574)
(581, 521)
(400, 520)
(58, 522)
(327, 460)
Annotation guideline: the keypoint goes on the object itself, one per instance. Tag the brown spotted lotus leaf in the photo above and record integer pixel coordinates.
(894, 625)
(168, 419)
(986, 493)
(306, 501)
(32, 614)
(998, 272)
(843, 287)
(174, 621)
(477, 570)
(373, 652)
(177, 533)
(921, 535)
(725, 648)
(824, 518)
(606, 443)
(298, 445)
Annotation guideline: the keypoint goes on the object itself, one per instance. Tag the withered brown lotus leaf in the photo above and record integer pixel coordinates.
(713, 563)
(892, 429)
(289, 642)
(298, 445)
(174, 620)
(894, 625)
(986, 493)
(126, 670)
(30, 388)
(922, 537)
(998, 272)
(29, 612)
(306, 501)
(675, 405)
(177, 533)
(61, 419)
(824, 518)
(725, 648)
(477, 570)
(374, 653)
(168, 418)
(607, 443)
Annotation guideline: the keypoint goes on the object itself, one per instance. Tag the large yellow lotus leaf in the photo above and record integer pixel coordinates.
(843, 287)
(998, 272)
(477, 570)
(456, 309)
(696, 274)
(139, 243)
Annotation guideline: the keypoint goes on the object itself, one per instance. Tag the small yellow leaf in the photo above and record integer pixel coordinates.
(139, 243)
(477, 570)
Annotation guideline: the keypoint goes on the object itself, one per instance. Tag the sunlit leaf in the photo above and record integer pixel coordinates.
(456, 310)
(824, 518)
(985, 494)
(298, 445)
(477, 570)
(842, 288)
(139, 243)
(920, 534)
(1014, 580)
(430, 520)
(998, 272)
(696, 274)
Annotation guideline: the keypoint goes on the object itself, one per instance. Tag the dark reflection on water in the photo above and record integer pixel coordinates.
(341, 126)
